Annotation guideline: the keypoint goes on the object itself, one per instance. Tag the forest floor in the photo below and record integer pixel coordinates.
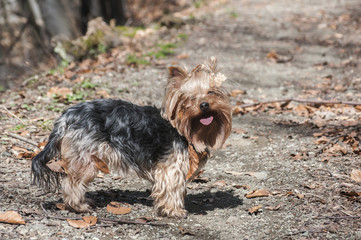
(305, 157)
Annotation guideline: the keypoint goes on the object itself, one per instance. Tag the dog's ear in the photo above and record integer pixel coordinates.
(198, 68)
(177, 72)
(212, 64)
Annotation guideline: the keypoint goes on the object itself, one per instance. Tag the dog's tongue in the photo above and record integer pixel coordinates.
(206, 121)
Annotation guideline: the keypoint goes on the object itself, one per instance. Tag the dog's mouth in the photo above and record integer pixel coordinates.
(207, 120)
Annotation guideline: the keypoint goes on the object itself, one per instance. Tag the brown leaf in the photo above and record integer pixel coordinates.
(144, 219)
(242, 186)
(274, 208)
(183, 56)
(220, 183)
(236, 92)
(319, 122)
(116, 208)
(239, 130)
(101, 165)
(57, 166)
(356, 175)
(301, 110)
(91, 220)
(78, 223)
(58, 91)
(184, 231)
(258, 193)
(337, 148)
(11, 217)
(255, 209)
(60, 206)
(322, 140)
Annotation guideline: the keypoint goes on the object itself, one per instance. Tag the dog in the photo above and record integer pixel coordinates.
(159, 145)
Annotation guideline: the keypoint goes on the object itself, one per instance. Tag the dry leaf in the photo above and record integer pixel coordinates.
(242, 186)
(116, 208)
(220, 183)
(184, 231)
(57, 166)
(183, 56)
(337, 148)
(236, 92)
(91, 220)
(255, 209)
(239, 130)
(100, 164)
(258, 193)
(322, 140)
(58, 91)
(78, 223)
(144, 219)
(102, 93)
(274, 208)
(11, 217)
(356, 175)
(60, 206)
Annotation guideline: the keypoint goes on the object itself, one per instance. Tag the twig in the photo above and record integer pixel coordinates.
(22, 138)
(122, 221)
(341, 217)
(301, 101)
(115, 221)
(326, 145)
(12, 114)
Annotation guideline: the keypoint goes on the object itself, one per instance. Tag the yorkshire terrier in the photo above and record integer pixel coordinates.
(157, 144)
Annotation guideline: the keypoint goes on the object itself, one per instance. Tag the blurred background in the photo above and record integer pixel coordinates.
(31, 29)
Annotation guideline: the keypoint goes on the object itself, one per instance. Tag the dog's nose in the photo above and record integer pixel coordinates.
(204, 106)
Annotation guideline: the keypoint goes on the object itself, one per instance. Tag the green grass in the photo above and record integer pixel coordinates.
(17, 127)
(132, 59)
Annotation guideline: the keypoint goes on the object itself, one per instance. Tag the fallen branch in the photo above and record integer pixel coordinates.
(22, 138)
(123, 221)
(114, 221)
(300, 101)
(12, 114)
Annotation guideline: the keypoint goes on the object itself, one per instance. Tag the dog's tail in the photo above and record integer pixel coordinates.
(42, 175)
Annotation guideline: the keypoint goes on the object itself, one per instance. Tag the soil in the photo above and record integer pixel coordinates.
(312, 197)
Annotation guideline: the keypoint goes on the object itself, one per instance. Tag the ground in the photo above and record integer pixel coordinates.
(268, 50)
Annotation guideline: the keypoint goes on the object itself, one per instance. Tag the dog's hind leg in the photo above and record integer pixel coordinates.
(74, 185)
(80, 170)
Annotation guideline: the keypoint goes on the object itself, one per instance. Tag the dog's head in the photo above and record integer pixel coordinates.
(197, 105)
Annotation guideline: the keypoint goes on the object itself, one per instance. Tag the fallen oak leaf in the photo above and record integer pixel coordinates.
(60, 206)
(78, 223)
(11, 217)
(274, 208)
(254, 209)
(322, 139)
(236, 92)
(242, 186)
(258, 193)
(91, 220)
(184, 231)
(356, 175)
(116, 208)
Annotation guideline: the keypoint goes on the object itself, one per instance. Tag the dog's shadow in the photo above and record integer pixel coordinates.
(198, 203)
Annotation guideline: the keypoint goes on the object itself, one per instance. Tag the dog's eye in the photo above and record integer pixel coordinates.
(210, 92)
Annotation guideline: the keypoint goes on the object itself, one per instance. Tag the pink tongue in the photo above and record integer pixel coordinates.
(207, 121)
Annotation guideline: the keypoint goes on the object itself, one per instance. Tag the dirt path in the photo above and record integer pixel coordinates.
(309, 197)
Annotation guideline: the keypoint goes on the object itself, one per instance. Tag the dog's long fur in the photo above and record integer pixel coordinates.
(153, 144)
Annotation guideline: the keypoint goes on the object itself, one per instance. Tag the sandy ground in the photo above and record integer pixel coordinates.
(305, 200)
